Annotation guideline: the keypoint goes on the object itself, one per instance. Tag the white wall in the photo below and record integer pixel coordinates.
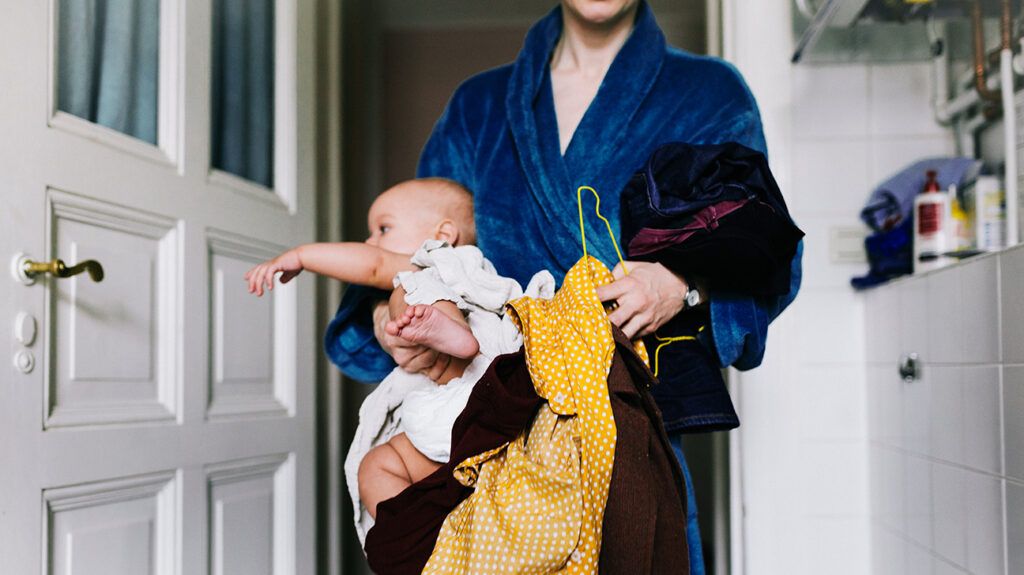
(936, 449)
(834, 131)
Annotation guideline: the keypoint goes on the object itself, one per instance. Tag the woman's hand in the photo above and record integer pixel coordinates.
(412, 357)
(647, 298)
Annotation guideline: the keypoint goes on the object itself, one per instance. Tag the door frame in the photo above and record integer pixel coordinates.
(329, 228)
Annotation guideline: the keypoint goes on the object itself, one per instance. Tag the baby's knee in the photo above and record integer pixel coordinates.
(380, 459)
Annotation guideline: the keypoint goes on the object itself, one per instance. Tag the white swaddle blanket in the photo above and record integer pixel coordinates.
(412, 403)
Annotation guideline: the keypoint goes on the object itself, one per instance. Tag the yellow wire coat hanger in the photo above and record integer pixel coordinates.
(583, 235)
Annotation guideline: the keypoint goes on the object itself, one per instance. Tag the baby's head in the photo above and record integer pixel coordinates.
(409, 213)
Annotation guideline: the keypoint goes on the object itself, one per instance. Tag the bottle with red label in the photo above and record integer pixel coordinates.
(932, 220)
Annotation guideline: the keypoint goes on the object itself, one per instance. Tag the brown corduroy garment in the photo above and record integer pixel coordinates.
(644, 526)
(644, 529)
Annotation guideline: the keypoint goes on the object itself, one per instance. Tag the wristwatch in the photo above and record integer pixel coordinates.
(692, 297)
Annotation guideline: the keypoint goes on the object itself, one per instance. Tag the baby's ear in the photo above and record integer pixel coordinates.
(447, 231)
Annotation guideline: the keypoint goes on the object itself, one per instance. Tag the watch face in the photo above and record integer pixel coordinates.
(692, 298)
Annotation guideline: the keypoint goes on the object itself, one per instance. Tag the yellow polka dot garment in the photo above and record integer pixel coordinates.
(539, 501)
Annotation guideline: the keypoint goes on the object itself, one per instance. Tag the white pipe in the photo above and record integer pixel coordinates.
(976, 123)
(947, 110)
(940, 68)
(1010, 143)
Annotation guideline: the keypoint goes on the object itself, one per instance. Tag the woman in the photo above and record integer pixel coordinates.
(593, 92)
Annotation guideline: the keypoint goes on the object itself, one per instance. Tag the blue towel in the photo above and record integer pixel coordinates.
(893, 201)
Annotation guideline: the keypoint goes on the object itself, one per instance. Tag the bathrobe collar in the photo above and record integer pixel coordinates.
(601, 151)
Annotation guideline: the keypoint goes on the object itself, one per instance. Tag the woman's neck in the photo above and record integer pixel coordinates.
(587, 48)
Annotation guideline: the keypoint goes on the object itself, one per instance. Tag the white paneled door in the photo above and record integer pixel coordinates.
(155, 418)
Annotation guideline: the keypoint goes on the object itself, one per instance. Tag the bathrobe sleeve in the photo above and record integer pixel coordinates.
(739, 323)
(349, 340)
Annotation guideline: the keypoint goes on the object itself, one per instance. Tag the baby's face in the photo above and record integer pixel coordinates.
(400, 220)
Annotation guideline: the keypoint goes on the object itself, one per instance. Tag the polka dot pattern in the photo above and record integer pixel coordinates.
(539, 502)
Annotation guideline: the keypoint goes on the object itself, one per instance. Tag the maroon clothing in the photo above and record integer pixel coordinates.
(500, 407)
(644, 523)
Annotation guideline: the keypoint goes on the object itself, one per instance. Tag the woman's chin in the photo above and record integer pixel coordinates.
(600, 13)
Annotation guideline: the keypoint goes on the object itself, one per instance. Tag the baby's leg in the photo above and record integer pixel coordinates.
(439, 326)
(454, 365)
(388, 469)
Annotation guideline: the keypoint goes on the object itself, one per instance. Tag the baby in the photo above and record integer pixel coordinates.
(400, 219)
(445, 291)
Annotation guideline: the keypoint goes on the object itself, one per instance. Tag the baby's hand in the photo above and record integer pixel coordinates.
(288, 263)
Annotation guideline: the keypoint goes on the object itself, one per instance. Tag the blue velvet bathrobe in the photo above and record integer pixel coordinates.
(499, 138)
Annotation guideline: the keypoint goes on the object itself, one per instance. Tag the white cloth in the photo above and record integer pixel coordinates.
(412, 403)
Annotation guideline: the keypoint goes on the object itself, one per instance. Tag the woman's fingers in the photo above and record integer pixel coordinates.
(631, 317)
(614, 290)
(644, 300)
(621, 314)
(413, 358)
(631, 327)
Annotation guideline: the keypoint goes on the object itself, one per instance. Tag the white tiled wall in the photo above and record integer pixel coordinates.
(845, 468)
(808, 464)
(957, 503)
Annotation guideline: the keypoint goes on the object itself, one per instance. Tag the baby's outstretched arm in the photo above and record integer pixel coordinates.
(351, 262)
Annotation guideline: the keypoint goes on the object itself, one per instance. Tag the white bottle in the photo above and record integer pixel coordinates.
(989, 213)
(931, 227)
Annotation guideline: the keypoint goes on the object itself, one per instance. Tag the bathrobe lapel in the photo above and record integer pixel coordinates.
(607, 147)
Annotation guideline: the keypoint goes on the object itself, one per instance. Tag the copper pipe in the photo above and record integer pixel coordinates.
(1007, 26)
(980, 82)
(1006, 23)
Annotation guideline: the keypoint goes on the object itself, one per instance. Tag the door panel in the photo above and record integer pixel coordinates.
(245, 331)
(120, 527)
(90, 380)
(247, 537)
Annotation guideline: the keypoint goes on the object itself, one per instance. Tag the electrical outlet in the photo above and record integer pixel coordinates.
(846, 245)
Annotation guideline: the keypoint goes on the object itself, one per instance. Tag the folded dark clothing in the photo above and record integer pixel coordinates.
(713, 212)
(680, 179)
(500, 406)
(745, 249)
(690, 384)
(648, 240)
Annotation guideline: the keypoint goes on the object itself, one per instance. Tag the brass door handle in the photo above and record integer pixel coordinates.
(57, 268)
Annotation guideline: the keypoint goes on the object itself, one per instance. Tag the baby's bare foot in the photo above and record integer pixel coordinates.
(394, 327)
(425, 325)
